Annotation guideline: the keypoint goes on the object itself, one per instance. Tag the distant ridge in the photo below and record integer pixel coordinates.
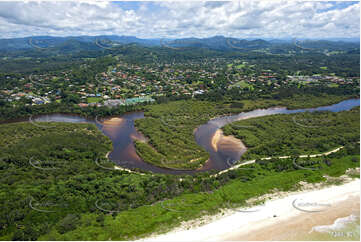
(109, 41)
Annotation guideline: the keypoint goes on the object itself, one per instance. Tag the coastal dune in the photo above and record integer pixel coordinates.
(277, 219)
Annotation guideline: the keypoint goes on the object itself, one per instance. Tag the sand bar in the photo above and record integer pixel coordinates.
(226, 142)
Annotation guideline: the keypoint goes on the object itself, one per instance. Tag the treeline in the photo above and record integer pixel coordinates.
(8, 113)
(284, 92)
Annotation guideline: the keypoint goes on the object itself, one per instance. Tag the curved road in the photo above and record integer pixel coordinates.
(280, 157)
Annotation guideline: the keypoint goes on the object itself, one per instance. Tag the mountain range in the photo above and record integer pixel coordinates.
(110, 41)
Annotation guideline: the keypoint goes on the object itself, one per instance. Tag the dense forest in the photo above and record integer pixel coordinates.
(296, 134)
(57, 184)
(52, 188)
(283, 58)
(169, 127)
(8, 113)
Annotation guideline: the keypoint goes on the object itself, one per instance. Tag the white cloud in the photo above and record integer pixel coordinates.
(181, 19)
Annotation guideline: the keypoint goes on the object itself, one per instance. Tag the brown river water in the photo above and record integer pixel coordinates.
(122, 133)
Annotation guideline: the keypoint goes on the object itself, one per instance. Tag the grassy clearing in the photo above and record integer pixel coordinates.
(240, 66)
(94, 99)
(243, 84)
(333, 85)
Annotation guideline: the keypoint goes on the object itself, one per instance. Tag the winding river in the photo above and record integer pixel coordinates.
(122, 132)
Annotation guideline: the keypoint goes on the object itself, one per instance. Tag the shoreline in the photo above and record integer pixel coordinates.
(272, 216)
(300, 227)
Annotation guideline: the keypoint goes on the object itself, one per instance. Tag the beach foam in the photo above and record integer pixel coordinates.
(339, 224)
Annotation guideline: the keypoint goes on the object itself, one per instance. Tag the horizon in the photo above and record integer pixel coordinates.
(180, 121)
(192, 37)
(176, 20)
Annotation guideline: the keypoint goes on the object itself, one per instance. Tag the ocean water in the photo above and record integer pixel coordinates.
(342, 229)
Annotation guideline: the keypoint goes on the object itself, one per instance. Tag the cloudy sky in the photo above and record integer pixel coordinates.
(241, 19)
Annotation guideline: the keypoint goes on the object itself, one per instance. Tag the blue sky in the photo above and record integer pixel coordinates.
(341, 5)
(130, 5)
(240, 19)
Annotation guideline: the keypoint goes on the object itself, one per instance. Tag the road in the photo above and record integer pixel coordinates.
(280, 157)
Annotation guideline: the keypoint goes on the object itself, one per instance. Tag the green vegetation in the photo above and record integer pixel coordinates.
(94, 99)
(333, 85)
(9, 112)
(49, 178)
(241, 66)
(53, 185)
(296, 134)
(162, 216)
(87, 202)
(243, 84)
(169, 127)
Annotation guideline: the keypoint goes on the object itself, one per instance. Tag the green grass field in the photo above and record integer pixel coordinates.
(333, 85)
(243, 84)
(94, 99)
(240, 66)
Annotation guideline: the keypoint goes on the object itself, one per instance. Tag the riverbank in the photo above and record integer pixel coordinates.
(123, 133)
(281, 218)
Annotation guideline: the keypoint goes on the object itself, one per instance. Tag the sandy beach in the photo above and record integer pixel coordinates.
(287, 218)
(299, 226)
